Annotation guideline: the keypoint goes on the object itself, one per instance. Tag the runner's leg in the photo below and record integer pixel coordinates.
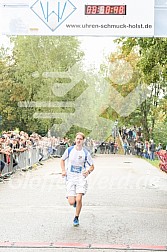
(71, 200)
(79, 204)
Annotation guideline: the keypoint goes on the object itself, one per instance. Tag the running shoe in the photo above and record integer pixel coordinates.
(76, 222)
(75, 204)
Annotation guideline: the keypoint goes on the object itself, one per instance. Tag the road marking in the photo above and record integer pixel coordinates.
(81, 245)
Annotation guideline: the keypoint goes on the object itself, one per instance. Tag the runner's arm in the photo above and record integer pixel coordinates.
(63, 170)
(91, 168)
(90, 163)
(88, 171)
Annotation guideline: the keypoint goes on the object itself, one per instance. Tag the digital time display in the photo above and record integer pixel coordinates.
(105, 9)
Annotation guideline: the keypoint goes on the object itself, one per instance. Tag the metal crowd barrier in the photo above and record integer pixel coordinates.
(23, 160)
(59, 150)
(8, 168)
(26, 159)
(91, 149)
(106, 148)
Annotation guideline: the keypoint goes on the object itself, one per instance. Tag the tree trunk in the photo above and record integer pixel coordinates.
(145, 111)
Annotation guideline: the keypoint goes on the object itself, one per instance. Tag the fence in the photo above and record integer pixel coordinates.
(26, 159)
(23, 160)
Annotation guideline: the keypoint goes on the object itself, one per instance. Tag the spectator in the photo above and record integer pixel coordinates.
(152, 150)
(159, 147)
(2, 165)
(115, 147)
(130, 134)
(125, 146)
(112, 149)
(146, 150)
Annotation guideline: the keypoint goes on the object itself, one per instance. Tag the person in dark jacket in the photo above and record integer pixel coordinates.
(2, 165)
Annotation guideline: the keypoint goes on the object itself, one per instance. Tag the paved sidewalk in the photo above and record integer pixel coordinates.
(126, 204)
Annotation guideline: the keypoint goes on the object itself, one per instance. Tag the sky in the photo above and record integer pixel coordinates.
(97, 49)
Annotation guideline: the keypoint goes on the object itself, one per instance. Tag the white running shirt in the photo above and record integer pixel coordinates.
(75, 162)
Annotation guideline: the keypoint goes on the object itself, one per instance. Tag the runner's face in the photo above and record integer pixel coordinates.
(79, 140)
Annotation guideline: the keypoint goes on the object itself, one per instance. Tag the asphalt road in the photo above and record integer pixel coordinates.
(124, 209)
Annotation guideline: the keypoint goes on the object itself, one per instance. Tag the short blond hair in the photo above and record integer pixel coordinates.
(80, 133)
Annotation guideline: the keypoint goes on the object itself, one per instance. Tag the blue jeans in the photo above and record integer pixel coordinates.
(152, 155)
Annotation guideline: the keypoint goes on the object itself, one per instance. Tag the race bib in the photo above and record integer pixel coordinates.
(76, 169)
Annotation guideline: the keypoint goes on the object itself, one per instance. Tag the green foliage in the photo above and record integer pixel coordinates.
(22, 78)
(152, 67)
(74, 129)
(160, 133)
(154, 162)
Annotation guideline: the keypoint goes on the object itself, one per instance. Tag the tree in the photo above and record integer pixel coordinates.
(32, 57)
(151, 66)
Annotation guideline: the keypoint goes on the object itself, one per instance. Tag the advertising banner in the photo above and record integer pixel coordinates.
(77, 18)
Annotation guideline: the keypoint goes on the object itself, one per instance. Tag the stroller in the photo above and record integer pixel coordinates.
(162, 155)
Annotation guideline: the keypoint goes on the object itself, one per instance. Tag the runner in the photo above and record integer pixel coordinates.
(76, 164)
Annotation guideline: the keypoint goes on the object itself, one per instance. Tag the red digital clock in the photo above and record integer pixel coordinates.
(105, 9)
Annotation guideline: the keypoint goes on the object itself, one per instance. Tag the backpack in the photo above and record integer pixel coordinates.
(85, 150)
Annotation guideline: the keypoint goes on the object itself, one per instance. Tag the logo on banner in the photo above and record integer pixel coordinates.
(53, 12)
